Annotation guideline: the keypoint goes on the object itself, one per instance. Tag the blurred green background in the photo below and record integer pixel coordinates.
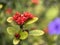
(45, 10)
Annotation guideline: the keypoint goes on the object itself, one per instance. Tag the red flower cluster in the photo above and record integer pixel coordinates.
(22, 18)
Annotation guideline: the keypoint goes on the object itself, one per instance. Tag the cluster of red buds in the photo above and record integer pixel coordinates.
(17, 35)
(22, 18)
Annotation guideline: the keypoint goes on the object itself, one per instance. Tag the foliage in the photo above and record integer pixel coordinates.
(34, 31)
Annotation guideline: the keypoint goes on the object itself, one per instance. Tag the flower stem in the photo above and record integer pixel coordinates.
(21, 27)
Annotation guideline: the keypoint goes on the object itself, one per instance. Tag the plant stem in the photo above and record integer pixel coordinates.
(21, 26)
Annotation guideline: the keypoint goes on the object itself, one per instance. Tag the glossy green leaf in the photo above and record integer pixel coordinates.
(10, 19)
(24, 35)
(32, 20)
(36, 32)
(16, 41)
(11, 30)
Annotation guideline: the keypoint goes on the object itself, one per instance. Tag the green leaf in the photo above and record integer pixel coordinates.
(1, 6)
(10, 19)
(39, 9)
(11, 31)
(24, 35)
(52, 12)
(16, 41)
(32, 20)
(36, 32)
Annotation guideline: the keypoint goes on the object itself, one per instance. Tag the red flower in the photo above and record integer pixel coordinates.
(17, 14)
(9, 10)
(28, 15)
(35, 1)
(22, 18)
